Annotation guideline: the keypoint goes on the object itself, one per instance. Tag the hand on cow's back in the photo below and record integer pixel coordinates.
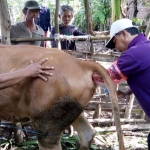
(39, 70)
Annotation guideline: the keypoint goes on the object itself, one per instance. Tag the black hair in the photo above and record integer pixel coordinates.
(133, 30)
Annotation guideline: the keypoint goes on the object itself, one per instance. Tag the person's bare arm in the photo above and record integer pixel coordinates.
(33, 70)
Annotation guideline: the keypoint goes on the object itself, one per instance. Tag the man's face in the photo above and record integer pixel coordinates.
(66, 17)
(32, 14)
(120, 41)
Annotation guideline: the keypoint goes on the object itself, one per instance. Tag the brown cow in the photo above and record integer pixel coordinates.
(54, 105)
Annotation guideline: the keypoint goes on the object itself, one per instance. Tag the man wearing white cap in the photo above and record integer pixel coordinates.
(133, 64)
(28, 28)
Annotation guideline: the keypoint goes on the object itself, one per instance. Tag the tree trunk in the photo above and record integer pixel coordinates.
(56, 20)
(88, 22)
(5, 23)
(87, 16)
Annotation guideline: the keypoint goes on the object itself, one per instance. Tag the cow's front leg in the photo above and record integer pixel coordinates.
(85, 131)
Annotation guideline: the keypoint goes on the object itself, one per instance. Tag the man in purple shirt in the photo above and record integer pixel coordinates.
(133, 65)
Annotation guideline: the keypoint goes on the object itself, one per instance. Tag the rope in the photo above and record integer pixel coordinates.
(26, 130)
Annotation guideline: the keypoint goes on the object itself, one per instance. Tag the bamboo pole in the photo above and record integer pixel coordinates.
(87, 16)
(100, 36)
(137, 111)
(127, 127)
(129, 107)
(112, 120)
(147, 32)
(56, 20)
(88, 22)
(61, 37)
(5, 27)
(5, 23)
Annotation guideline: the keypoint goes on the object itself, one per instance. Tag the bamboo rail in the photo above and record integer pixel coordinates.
(112, 120)
(100, 36)
(61, 37)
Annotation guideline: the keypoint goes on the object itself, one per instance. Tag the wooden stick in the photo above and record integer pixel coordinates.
(127, 127)
(138, 111)
(112, 120)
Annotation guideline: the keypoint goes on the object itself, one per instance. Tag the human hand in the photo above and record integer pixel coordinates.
(38, 70)
(123, 95)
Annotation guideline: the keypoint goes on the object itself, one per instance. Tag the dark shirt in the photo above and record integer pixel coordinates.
(66, 30)
(134, 63)
(44, 19)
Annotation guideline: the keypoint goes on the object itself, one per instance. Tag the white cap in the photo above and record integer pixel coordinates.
(116, 27)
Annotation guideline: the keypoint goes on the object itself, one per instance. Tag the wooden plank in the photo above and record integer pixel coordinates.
(129, 107)
(138, 111)
(5, 23)
(98, 102)
(127, 127)
(112, 120)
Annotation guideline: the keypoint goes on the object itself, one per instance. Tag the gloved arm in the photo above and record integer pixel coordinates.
(114, 73)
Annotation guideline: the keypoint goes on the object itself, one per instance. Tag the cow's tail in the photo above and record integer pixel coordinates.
(95, 67)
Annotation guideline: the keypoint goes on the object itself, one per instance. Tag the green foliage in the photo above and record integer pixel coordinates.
(67, 143)
(101, 12)
(139, 22)
(79, 19)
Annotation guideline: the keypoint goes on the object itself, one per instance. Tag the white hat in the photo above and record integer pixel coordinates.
(116, 27)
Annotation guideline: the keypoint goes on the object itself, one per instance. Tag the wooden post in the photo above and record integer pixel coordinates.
(56, 20)
(147, 32)
(88, 22)
(97, 112)
(5, 23)
(143, 115)
(5, 27)
(129, 107)
(87, 16)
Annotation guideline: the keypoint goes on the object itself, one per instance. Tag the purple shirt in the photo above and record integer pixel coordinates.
(135, 64)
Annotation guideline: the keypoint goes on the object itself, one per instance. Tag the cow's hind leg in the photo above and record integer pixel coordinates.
(54, 120)
(85, 131)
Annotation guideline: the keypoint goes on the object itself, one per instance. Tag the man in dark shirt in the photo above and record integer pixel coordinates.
(66, 15)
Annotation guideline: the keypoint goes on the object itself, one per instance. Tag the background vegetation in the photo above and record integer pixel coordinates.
(101, 11)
